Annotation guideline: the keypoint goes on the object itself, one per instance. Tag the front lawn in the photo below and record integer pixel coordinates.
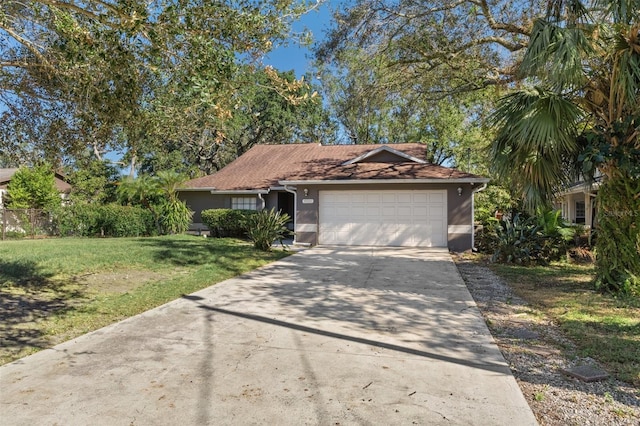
(604, 327)
(55, 289)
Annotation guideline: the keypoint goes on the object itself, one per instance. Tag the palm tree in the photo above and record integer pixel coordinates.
(159, 194)
(577, 110)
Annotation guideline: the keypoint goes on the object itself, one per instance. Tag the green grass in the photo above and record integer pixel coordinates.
(604, 327)
(55, 289)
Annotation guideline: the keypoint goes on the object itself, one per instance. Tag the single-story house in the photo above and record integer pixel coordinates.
(6, 174)
(369, 195)
(578, 203)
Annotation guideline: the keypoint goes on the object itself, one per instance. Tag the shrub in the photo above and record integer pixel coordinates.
(227, 222)
(525, 240)
(33, 188)
(111, 220)
(174, 217)
(79, 220)
(125, 221)
(267, 226)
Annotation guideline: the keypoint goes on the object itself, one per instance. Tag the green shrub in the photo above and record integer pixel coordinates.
(227, 222)
(174, 217)
(80, 220)
(125, 221)
(111, 220)
(526, 240)
(267, 226)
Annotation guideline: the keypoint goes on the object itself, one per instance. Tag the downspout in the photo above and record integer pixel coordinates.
(261, 201)
(293, 190)
(473, 214)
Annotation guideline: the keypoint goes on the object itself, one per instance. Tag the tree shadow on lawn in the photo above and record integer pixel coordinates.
(227, 252)
(27, 295)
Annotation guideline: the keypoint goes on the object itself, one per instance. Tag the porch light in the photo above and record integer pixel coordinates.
(306, 192)
(459, 191)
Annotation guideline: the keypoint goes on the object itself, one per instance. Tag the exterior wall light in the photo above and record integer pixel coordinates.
(459, 191)
(306, 192)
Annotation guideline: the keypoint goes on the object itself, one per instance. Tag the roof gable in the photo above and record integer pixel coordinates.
(384, 154)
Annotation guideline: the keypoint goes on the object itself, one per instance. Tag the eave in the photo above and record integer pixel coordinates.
(382, 181)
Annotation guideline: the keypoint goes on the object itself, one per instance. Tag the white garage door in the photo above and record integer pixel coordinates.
(383, 218)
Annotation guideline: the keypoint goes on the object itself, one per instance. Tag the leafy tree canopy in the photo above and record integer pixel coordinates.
(408, 71)
(116, 74)
(269, 107)
(578, 113)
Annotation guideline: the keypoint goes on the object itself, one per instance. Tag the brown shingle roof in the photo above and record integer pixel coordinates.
(7, 174)
(264, 166)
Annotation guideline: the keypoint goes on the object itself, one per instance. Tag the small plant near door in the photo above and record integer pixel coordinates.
(267, 226)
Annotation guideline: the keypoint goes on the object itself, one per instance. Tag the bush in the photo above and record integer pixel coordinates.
(80, 220)
(125, 221)
(267, 226)
(525, 240)
(227, 222)
(111, 220)
(175, 217)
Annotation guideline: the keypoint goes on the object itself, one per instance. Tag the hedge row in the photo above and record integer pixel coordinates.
(227, 222)
(111, 220)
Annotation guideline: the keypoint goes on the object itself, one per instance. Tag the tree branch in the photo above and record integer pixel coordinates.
(511, 28)
(30, 46)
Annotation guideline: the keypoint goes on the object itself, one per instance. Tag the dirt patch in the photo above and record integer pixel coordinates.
(117, 282)
(26, 305)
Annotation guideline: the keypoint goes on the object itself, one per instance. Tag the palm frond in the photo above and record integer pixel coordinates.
(619, 11)
(556, 53)
(536, 135)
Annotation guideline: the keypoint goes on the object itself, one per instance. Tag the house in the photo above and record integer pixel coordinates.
(577, 203)
(375, 195)
(6, 174)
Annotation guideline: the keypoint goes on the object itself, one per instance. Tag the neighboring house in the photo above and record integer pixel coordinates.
(377, 195)
(577, 203)
(6, 174)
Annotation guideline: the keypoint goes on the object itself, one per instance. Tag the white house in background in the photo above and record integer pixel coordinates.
(578, 203)
(6, 174)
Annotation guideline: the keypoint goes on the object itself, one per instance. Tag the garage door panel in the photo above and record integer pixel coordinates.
(437, 197)
(383, 218)
(389, 198)
(404, 198)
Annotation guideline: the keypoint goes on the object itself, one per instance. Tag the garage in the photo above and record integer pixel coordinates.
(407, 218)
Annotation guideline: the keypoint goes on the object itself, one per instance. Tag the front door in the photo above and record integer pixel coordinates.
(286, 205)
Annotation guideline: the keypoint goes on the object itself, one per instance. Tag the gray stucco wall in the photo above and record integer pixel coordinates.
(459, 215)
(204, 200)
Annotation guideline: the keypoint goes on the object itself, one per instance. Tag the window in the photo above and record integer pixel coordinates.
(580, 212)
(244, 203)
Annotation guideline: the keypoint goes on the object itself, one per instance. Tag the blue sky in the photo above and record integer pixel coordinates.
(295, 57)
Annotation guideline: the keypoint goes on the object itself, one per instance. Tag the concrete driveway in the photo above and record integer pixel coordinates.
(328, 336)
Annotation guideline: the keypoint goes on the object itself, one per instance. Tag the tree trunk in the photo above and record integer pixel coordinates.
(618, 235)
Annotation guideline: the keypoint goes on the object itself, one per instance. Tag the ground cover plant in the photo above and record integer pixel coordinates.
(55, 289)
(603, 326)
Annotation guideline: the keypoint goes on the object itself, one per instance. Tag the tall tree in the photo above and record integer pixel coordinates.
(269, 106)
(442, 47)
(578, 111)
(112, 63)
(399, 72)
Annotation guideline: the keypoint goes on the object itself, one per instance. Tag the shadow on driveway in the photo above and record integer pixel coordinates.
(326, 336)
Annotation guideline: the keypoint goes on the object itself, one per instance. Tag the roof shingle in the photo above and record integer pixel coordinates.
(264, 166)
